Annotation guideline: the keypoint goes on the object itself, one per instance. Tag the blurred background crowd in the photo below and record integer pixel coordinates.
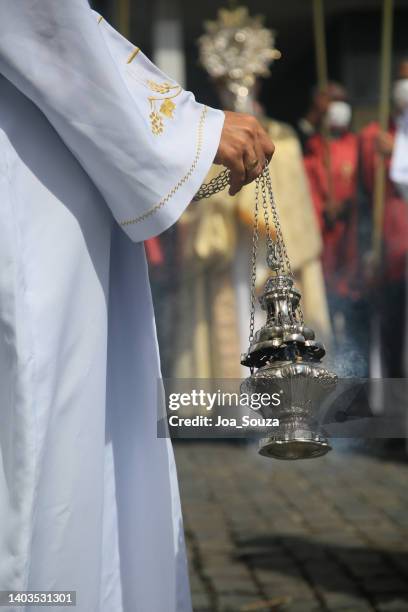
(329, 82)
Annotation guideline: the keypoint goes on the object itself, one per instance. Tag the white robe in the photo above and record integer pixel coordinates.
(88, 493)
(399, 159)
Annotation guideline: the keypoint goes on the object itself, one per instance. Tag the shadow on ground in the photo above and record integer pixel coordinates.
(380, 575)
(390, 449)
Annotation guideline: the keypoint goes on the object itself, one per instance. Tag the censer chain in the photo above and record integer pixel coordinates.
(276, 248)
(255, 238)
(216, 184)
(277, 256)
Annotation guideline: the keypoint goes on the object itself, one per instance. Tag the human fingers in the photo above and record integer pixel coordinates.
(267, 145)
(254, 161)
(238, 174)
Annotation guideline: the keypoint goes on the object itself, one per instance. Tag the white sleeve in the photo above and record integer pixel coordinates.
(145, 142)
(399, 159)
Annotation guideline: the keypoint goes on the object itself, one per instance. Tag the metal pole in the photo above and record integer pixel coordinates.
(320, 43)
(123, 17)
(323, 81)
(384, 114)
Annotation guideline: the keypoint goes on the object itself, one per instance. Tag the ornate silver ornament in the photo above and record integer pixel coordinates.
(235, 50)
(284, 356)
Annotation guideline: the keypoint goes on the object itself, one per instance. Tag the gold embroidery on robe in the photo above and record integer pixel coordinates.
(167, 106)
(184, 179)
(162, 106)
(132, 55)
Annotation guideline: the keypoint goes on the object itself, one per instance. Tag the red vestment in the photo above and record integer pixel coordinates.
(395, 226)
(339, 257)
(154, 251)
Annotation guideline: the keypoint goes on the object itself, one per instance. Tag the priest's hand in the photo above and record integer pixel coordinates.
(244, 148)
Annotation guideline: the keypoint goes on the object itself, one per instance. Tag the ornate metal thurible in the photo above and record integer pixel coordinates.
(283, 355)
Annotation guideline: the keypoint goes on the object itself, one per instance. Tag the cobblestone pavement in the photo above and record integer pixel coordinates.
(323, 534)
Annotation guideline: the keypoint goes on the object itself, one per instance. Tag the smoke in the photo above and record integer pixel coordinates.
(347, 361)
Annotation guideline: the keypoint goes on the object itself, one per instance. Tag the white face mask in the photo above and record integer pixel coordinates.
(339, 115)
(400, 94)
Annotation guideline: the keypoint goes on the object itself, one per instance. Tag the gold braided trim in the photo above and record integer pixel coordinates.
(132, 55)
(181, 182)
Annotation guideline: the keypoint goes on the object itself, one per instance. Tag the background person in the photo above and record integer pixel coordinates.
(376, 146)
(331, 162)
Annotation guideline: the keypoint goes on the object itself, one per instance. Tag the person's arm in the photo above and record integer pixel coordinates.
(147, 161)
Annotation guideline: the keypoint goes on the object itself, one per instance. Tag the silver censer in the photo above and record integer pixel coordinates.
(283, 355)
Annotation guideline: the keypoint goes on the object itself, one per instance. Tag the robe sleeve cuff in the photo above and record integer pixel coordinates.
(164, 213)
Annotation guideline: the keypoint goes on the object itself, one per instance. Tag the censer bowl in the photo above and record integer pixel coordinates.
(295, 448)
(303, 387)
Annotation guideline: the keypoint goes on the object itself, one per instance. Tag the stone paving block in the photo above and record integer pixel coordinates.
(392, 584)
(399, 560)
(364, 556)
(260, 544)
(282, 565)
(233, 587)
(305, 553)
(392, 605)
(267, 577)
(216, 547)
(215, 563)
(318, 568)
(235, 603)
(196, 583)
(261, 526)
(201, 601)
(300, 591)
(361, 571)
(398, 515)
(236, 572)
(358, 607)
(303, 606)
(336, 600)
(274, 604)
